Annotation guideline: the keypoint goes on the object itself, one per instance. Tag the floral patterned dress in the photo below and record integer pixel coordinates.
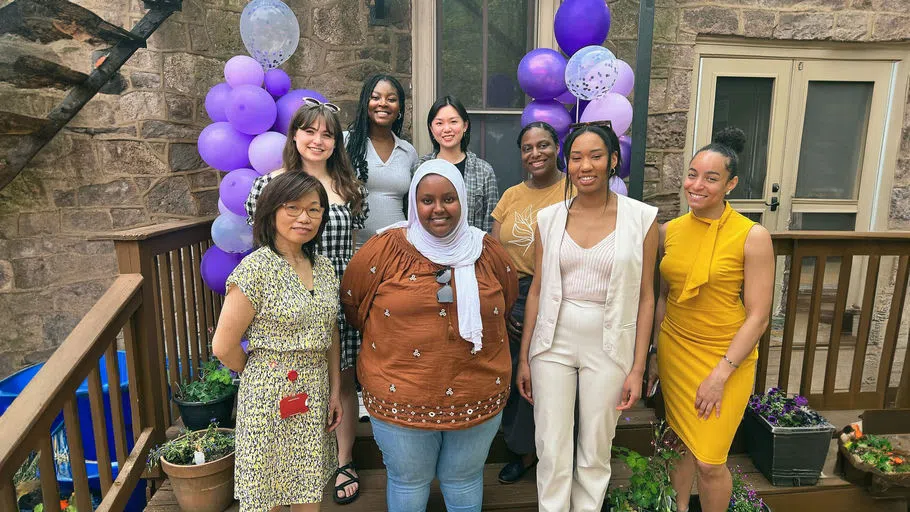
(283, 461)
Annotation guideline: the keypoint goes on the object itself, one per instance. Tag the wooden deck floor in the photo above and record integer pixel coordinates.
(832, 493)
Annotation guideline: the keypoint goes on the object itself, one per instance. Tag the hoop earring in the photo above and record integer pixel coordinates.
(399, 115)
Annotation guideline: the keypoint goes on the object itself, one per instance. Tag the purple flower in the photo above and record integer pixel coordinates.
(801, 401)
(772, 419)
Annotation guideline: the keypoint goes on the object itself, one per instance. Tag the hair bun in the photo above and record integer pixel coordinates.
(732, 137)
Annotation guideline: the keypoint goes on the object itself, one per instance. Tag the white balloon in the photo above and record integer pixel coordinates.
(270, 32)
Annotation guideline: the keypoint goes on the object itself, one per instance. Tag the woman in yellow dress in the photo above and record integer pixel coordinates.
(717, 275)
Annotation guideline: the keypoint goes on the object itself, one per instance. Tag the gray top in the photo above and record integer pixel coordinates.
(387, 183)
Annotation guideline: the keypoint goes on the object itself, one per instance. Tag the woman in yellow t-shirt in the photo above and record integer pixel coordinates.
(514, 221)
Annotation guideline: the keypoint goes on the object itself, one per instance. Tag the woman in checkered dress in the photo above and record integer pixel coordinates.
(315, 146)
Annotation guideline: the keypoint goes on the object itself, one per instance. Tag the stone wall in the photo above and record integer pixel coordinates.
(677, 24)
(130, 159)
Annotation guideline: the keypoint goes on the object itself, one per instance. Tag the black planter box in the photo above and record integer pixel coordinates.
(198, 415)
(787, 456)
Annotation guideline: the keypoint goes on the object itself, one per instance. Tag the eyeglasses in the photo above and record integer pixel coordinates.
(603, 124)
(294, 211)
(445, 294)
(313, 102)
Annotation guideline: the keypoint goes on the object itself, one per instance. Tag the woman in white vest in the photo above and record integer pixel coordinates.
(588, 321)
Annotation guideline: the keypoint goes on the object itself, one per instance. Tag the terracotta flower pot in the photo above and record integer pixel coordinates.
(207, 487)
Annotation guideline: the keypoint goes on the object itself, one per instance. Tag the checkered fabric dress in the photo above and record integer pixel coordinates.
(337, 244)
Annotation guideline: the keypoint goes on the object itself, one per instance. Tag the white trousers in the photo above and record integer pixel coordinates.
(575, 361)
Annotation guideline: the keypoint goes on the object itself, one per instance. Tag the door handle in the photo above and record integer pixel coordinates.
(775, 188)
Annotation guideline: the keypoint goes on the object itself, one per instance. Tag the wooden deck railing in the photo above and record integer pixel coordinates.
(859, 257)
(26, 424)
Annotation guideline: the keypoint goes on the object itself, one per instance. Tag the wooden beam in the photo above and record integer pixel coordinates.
(16, 124)
(12, 164)
(45, 21)
(30, 72)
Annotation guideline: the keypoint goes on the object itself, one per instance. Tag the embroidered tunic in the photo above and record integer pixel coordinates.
(415, 369)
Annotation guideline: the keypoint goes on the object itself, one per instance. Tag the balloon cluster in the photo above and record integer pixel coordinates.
(251, 112)
(592, 80)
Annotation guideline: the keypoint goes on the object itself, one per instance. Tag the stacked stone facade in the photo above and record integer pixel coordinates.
(129, 160)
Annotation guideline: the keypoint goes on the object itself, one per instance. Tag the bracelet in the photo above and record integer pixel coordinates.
(731, 363)
(652, 349)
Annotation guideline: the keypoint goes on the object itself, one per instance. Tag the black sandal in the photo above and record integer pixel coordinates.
(343, 470)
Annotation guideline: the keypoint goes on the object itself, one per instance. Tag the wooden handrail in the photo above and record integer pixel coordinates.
(33, 411)
(841, 235)
(155, 230)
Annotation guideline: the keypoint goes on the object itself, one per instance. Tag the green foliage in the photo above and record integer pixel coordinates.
(214, 443)
(744, 497)
(215, 381)
(649, 486)
(878, 452)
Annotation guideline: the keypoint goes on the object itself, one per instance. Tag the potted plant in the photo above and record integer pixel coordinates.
(209, 398)
(874, 462)
(787, 441)
(649, 487)
(744, 498)
(200, 466)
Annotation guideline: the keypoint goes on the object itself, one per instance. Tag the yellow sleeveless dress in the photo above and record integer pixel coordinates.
(703, 266)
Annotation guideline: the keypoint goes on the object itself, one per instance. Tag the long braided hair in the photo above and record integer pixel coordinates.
(359, 129)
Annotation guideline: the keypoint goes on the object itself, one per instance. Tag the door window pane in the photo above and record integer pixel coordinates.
(801, 221)
(493, 137)
(460, 51)
(746, 104)
(833, 142)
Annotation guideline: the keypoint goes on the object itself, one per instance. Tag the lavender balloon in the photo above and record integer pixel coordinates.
(625, 153)
(566, 98)
(611, 107)
(243, 70)
(266, 152)
(289, 104)
(223, 147)
(216, 102)
(580, 23)
(232, 234)
(222, 209)
(625, 79)
(619, 186)
(251, 109)
(235, 188)
(548, 111)
(591, 72)
(277, 82)
(541, 72)
(216, 266)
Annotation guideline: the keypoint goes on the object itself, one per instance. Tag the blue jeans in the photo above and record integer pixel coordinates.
(413, 457)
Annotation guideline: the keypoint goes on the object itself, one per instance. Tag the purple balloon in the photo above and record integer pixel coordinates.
(625, 153)
(223, 147)
(222, 209)
(216, 102)
(235, 188)
(232, 234)
(289, 104)
(625, 79)
(577, 110)
(251, 109)
(243, 70)
(541, 74)
(266, 152)
(216, 266)
(612, 107)
(277, 82)
(619, 186)
(566, 98)
(580, 23)
(548, 111)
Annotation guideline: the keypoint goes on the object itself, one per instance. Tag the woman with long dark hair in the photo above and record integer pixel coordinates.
(315, 147)
(381, 159)
(450, 130)
(587, 322)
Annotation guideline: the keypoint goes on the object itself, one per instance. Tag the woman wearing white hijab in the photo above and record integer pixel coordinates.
(431, 296)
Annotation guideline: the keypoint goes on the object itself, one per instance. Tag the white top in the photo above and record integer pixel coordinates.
(387, 184)
(586, 272)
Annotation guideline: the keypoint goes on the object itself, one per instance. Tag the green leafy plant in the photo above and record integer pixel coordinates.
(744, 497)
(876, 451)
(212, 442)
(215, 381)
(649, 486)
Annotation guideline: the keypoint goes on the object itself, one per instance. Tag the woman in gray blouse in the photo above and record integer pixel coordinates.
(450, 131)
(381, 159)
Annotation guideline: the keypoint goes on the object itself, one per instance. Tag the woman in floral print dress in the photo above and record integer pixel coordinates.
(284, 299)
